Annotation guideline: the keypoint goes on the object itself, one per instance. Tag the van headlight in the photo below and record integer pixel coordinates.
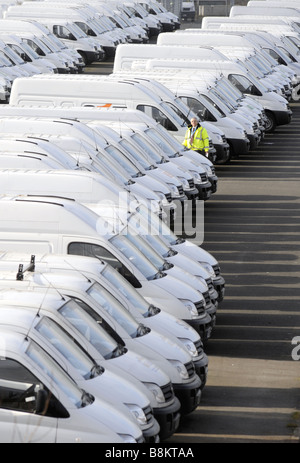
(127, 438)
(174, 189)
(218, 137)
(184, 183)
(191, 307)
(190, 346)
(208, 268)
(180, 368)
(161, 195)
(156, 391)
(138, 414)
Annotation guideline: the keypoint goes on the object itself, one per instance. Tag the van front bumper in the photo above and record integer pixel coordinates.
(239, 146)
(205, 190)
(203, 325)
(222, 153)
(254, 140)
(188, 394)
(168, 418)
(283, 117)
(151, 435)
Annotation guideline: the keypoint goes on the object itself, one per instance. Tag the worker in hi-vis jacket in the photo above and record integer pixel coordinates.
(196, 137)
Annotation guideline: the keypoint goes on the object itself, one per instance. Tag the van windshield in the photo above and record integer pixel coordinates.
(160, 141)
(137, 155)
(64, 343)
(89, 328)
(176, 113)
(55, 373)
(114, 308)
(126, 289)
(148, 148)
(146, 249)
(136, 257)
(121, 159)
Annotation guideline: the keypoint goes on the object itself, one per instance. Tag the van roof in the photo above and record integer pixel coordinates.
(49, 215)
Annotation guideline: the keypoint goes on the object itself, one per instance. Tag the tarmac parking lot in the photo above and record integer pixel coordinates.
(252, 226)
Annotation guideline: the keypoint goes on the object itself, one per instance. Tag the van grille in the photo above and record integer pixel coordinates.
(168, 392)
(191, 183)
(180, 189)
(198, 345)
(168, 197)
(200, 307)
(217, 270)
(209, 284)
(206, 297)
(148, 414)
(190, 369)
(204, 178)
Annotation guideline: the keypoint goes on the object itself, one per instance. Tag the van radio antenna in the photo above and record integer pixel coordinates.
(37, 313)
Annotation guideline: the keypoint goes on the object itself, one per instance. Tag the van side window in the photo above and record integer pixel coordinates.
(94, 250)
(34, 46)
(18, 387)
(198, 108)
(62, 32)
(158, 116)
(243, 84)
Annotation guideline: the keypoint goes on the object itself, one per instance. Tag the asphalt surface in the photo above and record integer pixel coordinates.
(252, 227)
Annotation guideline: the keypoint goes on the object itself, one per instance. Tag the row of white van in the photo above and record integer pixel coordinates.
(44, 41)
(65, 204)
(99, 24)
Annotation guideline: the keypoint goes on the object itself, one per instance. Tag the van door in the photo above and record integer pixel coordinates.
(19, 420)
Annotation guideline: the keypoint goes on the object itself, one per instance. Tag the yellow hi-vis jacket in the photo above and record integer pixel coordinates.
(200, 141)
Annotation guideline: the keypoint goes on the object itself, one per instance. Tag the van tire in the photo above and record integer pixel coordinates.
(270, 122)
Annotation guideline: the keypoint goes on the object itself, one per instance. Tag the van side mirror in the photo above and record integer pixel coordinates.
(41, 398)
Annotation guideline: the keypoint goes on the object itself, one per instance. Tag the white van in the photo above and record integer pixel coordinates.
(126, 54)
(29, 372)
(276, 108)
(147, 314)
(106, 150)
(94, 191)
(175, 150)
(78, 239)
(70, 34)
(221, 39)
(82, 16)
(111, 209)
(27, 53)
(26, 152)
(66, 58)
(85, 316)
(102, 382)
(238, 10)
(100, 91)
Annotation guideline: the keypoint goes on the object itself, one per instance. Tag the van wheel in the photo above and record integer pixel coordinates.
(270, 122)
